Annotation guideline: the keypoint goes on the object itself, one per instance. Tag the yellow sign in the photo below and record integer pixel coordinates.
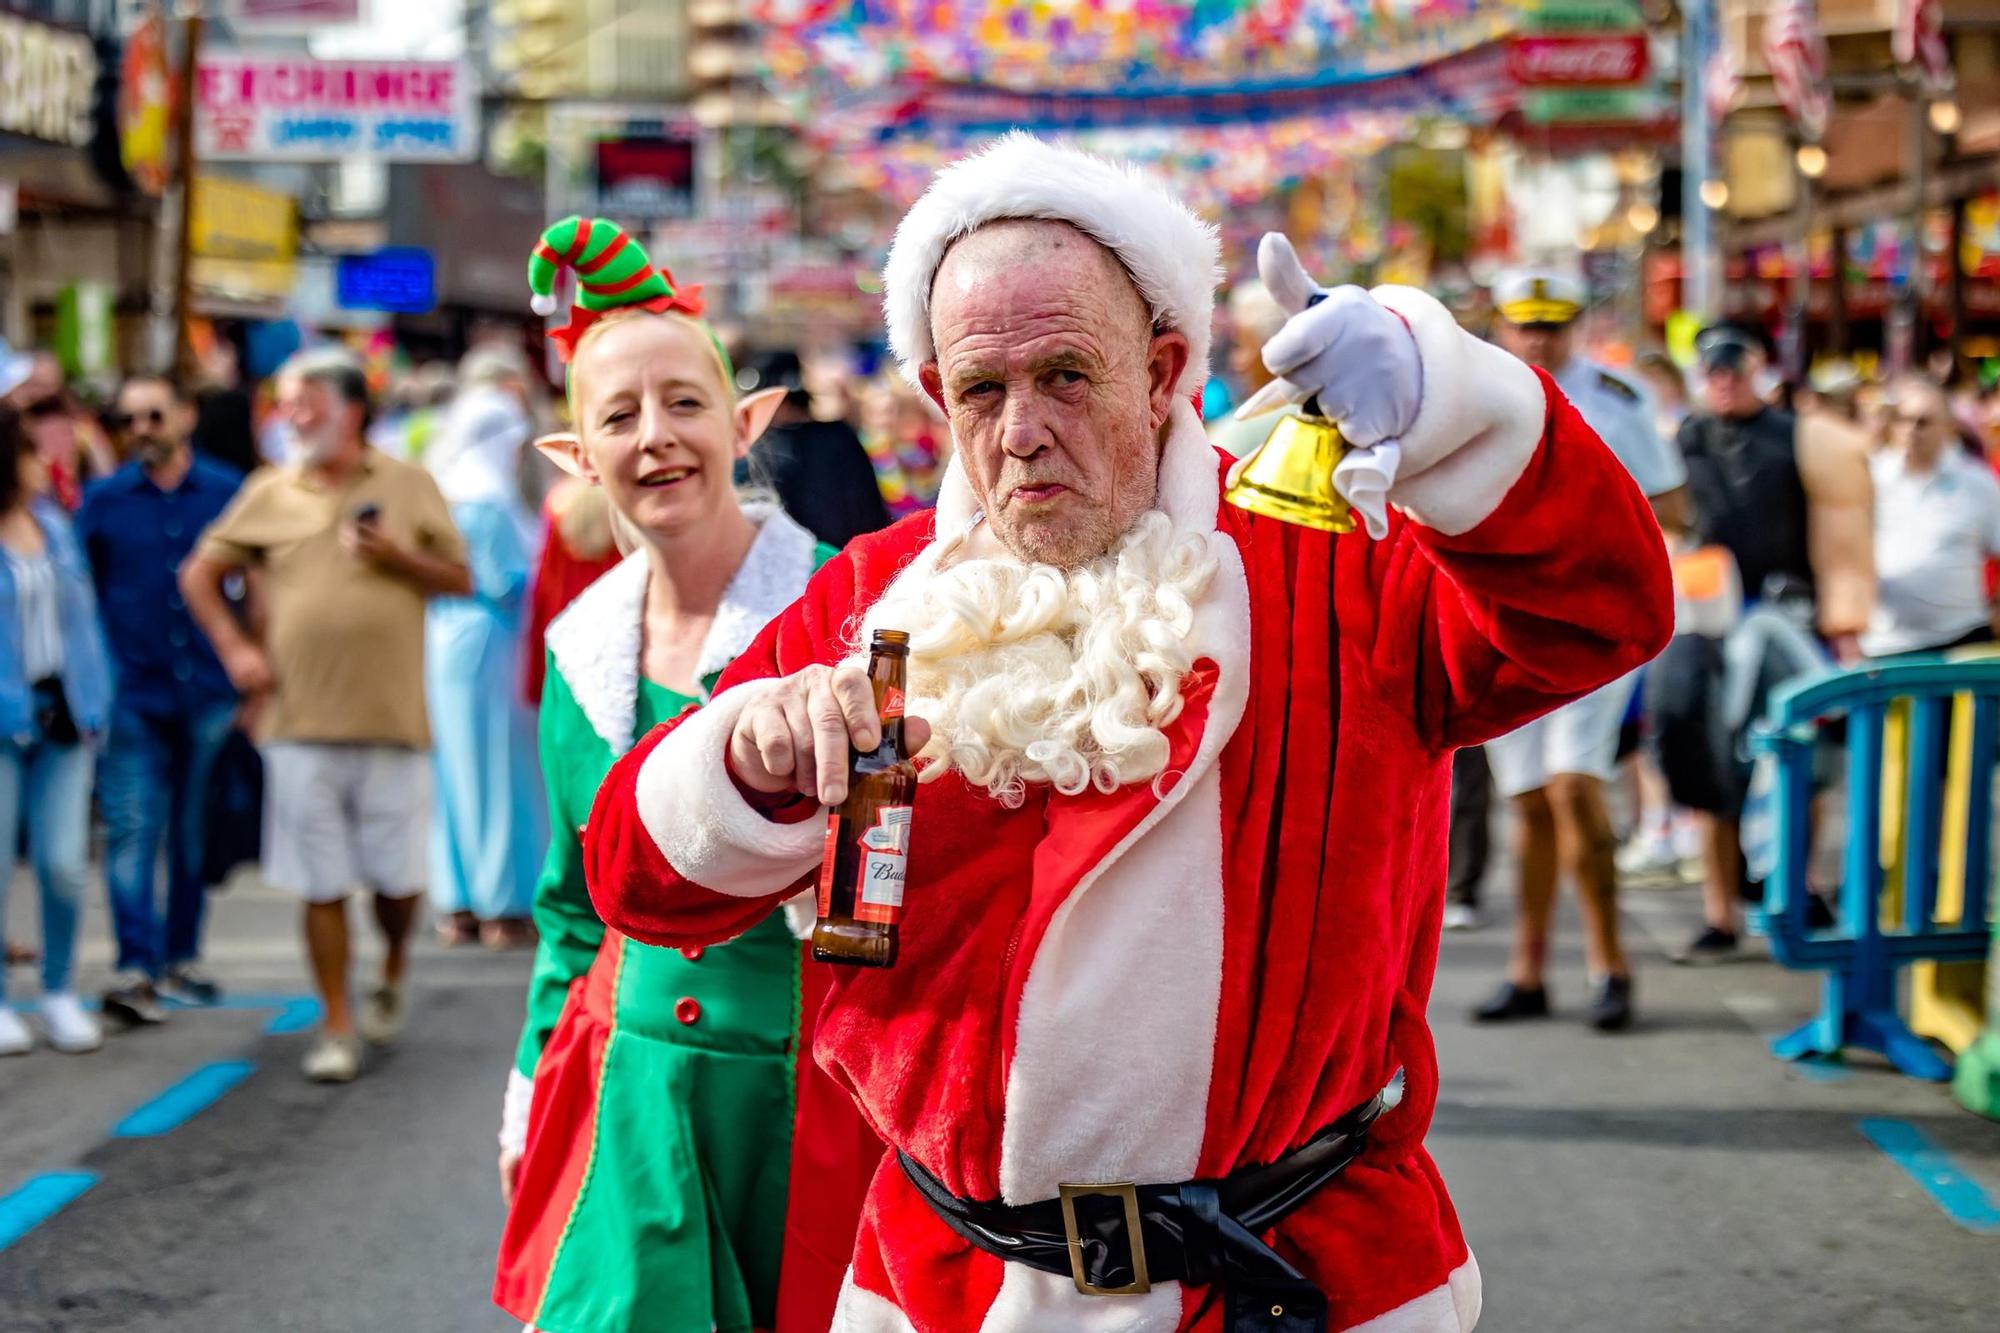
(233, 220)
(242, 240)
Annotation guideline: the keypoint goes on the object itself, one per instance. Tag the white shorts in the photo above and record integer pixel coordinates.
(343, 817)
(1580, 737)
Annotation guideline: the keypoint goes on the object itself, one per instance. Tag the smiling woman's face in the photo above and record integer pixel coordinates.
(657, 426)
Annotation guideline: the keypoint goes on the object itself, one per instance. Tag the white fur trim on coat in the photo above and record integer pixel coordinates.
(1480, 420)
(860, 1310)
(1173, 256)
(596, 640)
(702, 824)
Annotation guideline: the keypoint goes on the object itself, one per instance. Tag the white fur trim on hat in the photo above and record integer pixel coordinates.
(1173, 256)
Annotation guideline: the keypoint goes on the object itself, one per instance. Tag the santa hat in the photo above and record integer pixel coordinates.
(612, 272)
(1172, 255)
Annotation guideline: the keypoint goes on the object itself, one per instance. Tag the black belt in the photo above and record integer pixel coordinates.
(1201, 1232)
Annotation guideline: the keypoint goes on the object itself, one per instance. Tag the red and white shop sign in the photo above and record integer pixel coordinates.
(1571, 59)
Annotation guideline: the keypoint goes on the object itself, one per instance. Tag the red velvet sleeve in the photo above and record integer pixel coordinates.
(630, 863)
(1561, 588)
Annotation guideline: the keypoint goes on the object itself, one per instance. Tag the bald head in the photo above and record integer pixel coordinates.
(1057, 387)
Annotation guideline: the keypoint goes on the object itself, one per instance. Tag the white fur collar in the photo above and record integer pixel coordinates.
(1190, 486)
(595, 642)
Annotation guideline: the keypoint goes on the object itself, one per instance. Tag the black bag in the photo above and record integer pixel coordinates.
(235, 810)
(54, 723)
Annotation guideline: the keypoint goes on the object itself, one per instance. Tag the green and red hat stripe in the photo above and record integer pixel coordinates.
(612, 272)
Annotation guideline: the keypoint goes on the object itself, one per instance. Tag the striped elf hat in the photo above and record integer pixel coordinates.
(612, 272)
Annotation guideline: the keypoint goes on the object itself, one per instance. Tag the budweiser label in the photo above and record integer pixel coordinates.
(885, 853)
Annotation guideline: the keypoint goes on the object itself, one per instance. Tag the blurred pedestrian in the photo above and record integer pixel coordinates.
(351, 545)
(174, 704)
(490, 829)
(55, 700)
(67, 436)
(818, 469)
(1554, 769)
(1471, 838)
(676, 1152)
(1937, 522)
(224, 429)
(1787, 506)
(901, 435)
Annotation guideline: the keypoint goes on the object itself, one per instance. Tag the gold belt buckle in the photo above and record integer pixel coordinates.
(1128, 1192)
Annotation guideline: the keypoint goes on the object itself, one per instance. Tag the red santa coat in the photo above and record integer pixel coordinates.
(1177, 979)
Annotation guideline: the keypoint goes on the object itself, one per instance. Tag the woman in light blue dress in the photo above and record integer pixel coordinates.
(489, 825)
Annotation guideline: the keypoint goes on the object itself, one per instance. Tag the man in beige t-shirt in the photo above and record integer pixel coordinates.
(350, 545)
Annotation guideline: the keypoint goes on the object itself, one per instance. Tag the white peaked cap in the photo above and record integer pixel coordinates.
(1172, 255)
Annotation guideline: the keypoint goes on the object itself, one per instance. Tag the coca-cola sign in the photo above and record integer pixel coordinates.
(1570, 59)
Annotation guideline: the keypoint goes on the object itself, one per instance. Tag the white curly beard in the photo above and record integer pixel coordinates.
(1032, 674)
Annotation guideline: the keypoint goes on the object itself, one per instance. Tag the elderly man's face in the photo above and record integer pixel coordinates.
(1055, 384)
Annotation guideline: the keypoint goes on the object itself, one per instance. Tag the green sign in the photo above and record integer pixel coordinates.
(83, 329)
(1581, 16)
(1565, 106)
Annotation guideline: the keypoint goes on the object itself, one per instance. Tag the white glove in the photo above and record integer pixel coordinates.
(1358, 358)
(514, 1104)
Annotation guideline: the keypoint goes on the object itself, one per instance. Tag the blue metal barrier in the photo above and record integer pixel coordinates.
(1861, 958)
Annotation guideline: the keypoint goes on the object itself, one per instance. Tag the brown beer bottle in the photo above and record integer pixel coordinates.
(868, 836)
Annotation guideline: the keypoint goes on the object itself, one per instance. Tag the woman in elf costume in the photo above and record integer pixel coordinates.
(648, 1136)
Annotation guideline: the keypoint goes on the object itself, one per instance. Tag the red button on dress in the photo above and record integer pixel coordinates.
(688, 1010)
(693, 953)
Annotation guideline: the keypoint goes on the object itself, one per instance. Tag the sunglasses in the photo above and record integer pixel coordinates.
(45, 407)
(1541, 326)
(1922, 419)
(152, 416)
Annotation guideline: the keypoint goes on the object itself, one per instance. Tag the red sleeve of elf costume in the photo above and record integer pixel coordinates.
(674, 854)
(1529, 559)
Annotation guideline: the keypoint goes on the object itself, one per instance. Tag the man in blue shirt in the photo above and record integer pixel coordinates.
(174, 706)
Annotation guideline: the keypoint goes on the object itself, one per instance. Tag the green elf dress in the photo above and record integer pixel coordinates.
(655, 1091)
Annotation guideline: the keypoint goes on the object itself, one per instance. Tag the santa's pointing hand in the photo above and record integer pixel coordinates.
(1357, 358)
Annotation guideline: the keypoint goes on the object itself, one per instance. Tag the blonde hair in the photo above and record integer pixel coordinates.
(625, 314)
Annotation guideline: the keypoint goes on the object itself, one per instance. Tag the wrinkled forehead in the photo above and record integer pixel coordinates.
(1030, 268)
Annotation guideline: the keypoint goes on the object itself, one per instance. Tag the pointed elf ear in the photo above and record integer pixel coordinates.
(565, 450)
(754, 413)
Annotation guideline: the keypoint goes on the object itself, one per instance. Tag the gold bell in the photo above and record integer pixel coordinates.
(1290, 476)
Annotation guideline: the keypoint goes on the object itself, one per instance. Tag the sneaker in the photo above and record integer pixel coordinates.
(334, 1058)
(1511, 1002)
(383, 1014)
(1713, 945)
(15, 1038)
(133, 1001)
(1611, 1008)
(1458, 916)
(1649, 856)
(186, 983)
(70, 1029)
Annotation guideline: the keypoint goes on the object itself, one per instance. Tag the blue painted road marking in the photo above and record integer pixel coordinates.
(41, 1198)
(300, 1014)
(1963, 1199)
(184, 1100)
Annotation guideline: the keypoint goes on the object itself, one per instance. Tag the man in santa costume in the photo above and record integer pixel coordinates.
(1154, 1054)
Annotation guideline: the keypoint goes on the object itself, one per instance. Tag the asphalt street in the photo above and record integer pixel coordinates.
(1674, 1178)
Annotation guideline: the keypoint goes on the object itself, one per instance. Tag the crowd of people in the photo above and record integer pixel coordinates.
(575, 674)
(327, 624)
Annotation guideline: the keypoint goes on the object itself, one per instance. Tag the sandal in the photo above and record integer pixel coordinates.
(458, 929)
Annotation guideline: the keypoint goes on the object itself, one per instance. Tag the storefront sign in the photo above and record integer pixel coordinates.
(48, 80)
(1551, 106)
(1581, 16)
(243, 241)
(83, 329)
(649, 176)
(1578, 59)
(273, 108)
(402, 280)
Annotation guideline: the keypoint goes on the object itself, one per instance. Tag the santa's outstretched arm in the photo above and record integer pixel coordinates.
(1517, 565)
(676, 852)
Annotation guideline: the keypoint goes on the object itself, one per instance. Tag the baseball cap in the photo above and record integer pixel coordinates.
(1537, 296)
(1724, 348)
